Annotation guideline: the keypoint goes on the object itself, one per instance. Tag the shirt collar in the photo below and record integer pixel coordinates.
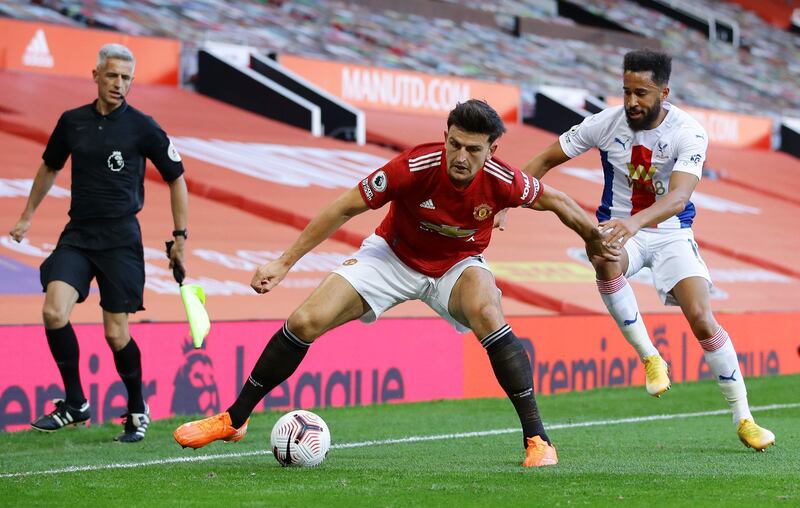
(114, 114)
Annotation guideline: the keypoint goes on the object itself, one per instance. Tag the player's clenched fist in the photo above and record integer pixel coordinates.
(268, 276)
(20, 228)
(598, 248)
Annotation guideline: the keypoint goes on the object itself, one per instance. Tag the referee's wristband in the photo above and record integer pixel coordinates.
(181, 232)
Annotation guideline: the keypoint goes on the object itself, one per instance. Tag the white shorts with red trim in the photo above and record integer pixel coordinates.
(384, 281)
(671, 254)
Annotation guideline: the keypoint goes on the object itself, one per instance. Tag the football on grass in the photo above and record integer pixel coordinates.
(301, 439)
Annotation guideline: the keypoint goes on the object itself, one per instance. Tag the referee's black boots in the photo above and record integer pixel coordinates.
(135, 426)
(62, 416)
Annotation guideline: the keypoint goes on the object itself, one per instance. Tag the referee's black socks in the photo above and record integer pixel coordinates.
(64, 348)
(280, 358)
(512, 368)
(128, 361)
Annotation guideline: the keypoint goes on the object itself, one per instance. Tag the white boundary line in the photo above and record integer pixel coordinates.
(403, 440)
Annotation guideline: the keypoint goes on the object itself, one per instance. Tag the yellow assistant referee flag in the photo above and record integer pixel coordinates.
(194, 301)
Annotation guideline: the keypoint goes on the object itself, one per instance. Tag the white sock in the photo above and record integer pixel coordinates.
(721, 358)
(620, 301)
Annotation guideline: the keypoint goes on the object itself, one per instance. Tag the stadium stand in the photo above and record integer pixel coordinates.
(234, 199)
(285, 171)
(377, 36)
(776, 12)
(752, 78)
(754, 201)
(760, 77)
(222, 263)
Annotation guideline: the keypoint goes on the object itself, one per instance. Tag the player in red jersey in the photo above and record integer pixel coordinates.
(443, 200)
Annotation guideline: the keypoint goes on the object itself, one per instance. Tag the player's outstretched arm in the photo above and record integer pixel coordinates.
(681, 187)
(326, 222)
(546, 160)
(575, 218)
(42, 183)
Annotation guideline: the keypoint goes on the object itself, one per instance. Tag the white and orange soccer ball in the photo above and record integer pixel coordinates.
(300, 438)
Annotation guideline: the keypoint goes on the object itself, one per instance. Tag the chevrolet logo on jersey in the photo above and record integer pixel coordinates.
(639, 173)
(445, 230)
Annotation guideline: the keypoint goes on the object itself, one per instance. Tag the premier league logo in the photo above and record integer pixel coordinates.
(378, 181)
(115, 161)
(195, 387)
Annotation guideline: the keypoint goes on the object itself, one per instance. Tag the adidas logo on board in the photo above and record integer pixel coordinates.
(37, 54)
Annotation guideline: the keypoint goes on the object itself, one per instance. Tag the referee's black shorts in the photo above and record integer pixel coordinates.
(119, 272)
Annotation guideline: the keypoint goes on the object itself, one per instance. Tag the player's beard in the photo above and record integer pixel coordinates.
(646, 120)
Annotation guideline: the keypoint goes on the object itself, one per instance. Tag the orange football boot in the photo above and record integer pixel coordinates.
(199, 433)
(539, 453)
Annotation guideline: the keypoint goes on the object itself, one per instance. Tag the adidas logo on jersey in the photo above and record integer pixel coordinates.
(37, 54)
(428, 203)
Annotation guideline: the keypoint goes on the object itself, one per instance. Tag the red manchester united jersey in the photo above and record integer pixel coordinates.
(432, 225)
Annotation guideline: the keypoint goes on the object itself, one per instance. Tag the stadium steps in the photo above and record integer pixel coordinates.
(177, 110)
(533, 268)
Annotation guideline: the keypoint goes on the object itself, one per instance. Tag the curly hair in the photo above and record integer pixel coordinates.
(643, 60)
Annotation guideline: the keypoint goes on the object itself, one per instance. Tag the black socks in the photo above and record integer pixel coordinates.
(280, 358)
(128, 361)
(512, 368)
(64, 348)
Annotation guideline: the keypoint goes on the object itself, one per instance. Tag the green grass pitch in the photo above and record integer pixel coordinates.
(608, 455)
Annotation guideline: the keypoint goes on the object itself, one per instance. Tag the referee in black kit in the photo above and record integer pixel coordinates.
(109, 141)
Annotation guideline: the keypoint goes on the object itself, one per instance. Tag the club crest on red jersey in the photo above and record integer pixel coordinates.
(482, 211)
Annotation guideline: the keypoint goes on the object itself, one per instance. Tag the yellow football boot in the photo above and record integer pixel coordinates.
(656, 375)
(754, 436)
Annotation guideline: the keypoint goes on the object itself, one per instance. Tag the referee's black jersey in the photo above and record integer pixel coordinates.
(108, 165)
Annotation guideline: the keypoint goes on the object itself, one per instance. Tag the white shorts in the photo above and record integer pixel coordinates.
(671, 254)
(384, 281)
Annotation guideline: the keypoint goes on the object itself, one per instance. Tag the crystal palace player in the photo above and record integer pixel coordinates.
(652, 155)
(428, 247)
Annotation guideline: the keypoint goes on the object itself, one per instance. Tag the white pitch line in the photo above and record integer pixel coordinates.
(403, 440)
